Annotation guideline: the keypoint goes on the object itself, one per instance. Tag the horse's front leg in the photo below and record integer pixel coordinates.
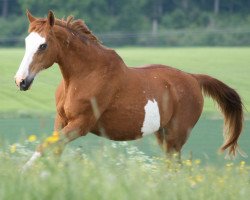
(59, 123)
(74, 129)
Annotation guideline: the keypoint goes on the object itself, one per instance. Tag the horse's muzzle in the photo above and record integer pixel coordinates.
(26, 83)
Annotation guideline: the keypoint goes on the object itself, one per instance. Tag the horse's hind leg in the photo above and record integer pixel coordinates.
(171, 146)
(178, 130)
(175, 141)
(171, 141)
(161, 138)
(186, 114)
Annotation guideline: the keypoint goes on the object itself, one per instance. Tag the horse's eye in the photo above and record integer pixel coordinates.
(42, 47)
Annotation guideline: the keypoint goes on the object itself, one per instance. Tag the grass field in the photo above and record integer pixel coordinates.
(230, 65)
(120, 172)
(95, 168)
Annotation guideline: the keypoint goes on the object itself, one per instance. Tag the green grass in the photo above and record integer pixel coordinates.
(204, 141)
(230, 65)
(119, 172)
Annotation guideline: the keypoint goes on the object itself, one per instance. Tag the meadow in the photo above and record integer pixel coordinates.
(95, 168)
(230, 65)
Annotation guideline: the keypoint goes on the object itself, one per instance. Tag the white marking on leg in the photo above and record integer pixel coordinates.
(30, 162)
(32, 43)
(151, 121)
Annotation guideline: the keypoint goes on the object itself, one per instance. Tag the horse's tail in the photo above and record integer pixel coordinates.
(231, 106)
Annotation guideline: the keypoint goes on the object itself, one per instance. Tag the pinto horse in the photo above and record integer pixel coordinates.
(100, 94)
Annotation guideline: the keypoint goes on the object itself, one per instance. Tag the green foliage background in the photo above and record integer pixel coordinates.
(140, 22)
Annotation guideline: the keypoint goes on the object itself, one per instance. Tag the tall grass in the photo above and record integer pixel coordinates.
(119, 171)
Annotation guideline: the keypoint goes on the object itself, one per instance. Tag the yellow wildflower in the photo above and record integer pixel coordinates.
(197, 161)
(242, 163)
(188, 163)
(51, 139)
(229, 165)
(32, 138)
(56, 134)
(242, 167)
(13, 148)
(199, 178)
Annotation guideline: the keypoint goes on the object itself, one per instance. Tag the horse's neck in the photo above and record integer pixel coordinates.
(80, 60)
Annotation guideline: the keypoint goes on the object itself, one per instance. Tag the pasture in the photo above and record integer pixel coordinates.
(95, 168)
(230, 65)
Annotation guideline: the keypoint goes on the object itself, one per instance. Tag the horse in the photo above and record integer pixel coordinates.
(100, 94)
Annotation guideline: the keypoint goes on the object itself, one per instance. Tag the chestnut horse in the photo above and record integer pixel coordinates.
(101, 95)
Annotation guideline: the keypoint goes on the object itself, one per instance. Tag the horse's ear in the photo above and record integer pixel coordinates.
(30, 17)
(51, 18)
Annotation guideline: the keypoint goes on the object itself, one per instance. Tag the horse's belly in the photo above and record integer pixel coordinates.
(118, 129)
(117, 135)
(130, 123)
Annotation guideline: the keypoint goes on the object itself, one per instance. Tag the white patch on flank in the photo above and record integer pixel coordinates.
(152, 118)
(30, 162)
(32, 42)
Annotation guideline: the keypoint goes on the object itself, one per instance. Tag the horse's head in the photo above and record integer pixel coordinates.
(41, 50)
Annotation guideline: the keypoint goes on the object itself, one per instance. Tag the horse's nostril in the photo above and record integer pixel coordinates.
(23, 84)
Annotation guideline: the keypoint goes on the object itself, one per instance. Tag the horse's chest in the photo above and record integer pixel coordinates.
(65, 108)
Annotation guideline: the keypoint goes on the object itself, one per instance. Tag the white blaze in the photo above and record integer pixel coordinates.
(32, 42)
(151, 122)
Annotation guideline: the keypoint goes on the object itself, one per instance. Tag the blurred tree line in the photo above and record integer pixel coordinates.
(139, 22)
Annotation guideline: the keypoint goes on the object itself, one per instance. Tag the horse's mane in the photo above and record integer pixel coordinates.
(78, 27)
